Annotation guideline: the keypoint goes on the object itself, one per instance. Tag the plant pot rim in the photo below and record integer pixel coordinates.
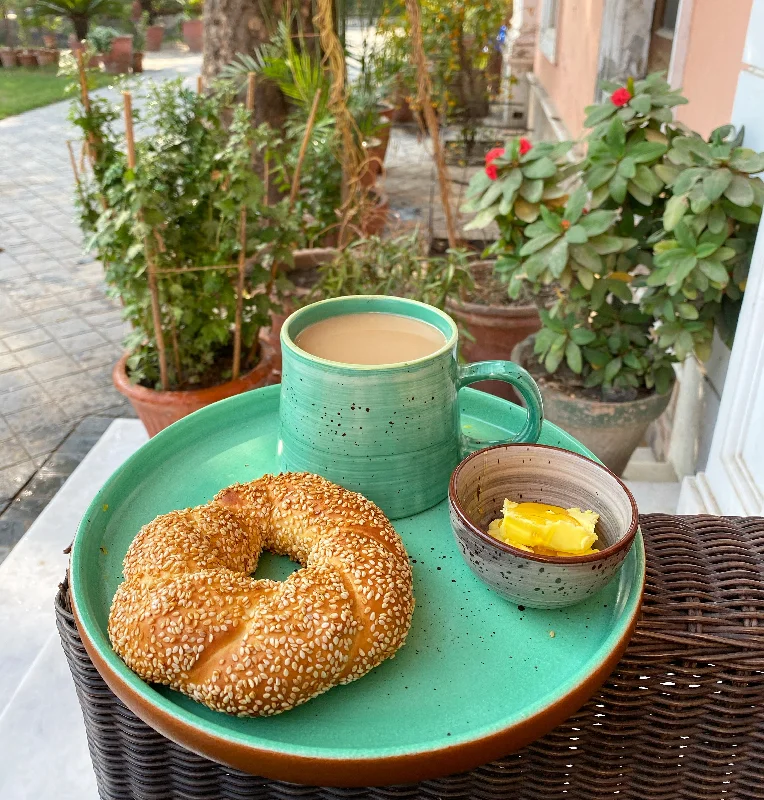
(209, 394)
(513, 309)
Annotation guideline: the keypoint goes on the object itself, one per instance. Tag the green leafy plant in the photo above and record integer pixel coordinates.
(101, 37)
(180, 207)
(79, 12)
(519, 181)
(394, 266)
(710, 224)
(651, 252)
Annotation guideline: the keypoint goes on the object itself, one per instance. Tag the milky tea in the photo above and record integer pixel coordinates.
(371, 338)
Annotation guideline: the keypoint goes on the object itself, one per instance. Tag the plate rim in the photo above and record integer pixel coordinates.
(310, 765)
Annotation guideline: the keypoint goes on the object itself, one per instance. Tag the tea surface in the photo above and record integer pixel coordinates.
(371, 338)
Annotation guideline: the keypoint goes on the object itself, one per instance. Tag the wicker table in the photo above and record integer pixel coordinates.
(682, 716)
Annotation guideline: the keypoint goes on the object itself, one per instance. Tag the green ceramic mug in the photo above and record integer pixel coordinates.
(391, 432)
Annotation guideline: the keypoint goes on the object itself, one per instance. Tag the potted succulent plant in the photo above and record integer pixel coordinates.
(500, 311)
(178, 215)
(648, 256)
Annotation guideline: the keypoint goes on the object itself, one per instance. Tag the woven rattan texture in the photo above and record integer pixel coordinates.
(681, 718)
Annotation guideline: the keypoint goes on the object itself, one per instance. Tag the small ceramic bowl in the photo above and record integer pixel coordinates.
(540, 474)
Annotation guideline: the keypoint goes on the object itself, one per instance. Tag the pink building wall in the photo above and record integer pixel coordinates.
(571, 82)
(714, 55)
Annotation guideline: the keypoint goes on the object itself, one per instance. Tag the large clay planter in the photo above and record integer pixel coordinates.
(612, 431)
(28, 58)
(9, 58)
(122, 48)
(158, 409)
(495, 331)
(154, 35)
(193, 34)
(47, 57)
(137, 62)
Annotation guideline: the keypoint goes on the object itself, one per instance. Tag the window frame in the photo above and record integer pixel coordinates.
(550, 16)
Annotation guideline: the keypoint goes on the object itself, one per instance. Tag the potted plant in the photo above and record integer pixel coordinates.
(139, 41)
(193, 25)
(178, 215)
(27, 55)
(9, 57)
(500, 311)
(100, 39)
(649, 252)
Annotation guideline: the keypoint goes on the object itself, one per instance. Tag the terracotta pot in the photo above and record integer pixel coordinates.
(372, 162)
(375, 215)
(9, 58)
(137, 62)
(49, 40)
(386, 110)
(193, 34)
(612, 431)
(303, 260)
(495, 331)
(158, 409)
(383, 134)
(47, 57)
(136, 10)
(28, 58)
(122, 48)
(154, 35)
(402, 111)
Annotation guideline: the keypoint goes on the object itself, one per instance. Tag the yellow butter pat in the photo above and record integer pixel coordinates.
(546, 530)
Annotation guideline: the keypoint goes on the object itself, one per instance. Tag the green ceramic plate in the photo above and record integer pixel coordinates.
(474, 670)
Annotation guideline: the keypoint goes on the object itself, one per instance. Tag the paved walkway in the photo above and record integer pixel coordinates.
(59, 333)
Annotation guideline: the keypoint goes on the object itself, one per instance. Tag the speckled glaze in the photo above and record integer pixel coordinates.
(539, 474)
(391, 432)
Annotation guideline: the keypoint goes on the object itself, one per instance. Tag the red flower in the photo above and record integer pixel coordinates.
(620, 97)
(525, 146)
(490, 168)
(497, 152)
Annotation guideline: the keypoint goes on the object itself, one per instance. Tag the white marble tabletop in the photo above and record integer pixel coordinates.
(43, 750)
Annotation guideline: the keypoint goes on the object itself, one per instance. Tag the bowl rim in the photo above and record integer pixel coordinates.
(623, 543)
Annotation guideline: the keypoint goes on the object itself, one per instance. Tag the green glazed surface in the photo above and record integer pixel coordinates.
(474, 664)
(392, 431)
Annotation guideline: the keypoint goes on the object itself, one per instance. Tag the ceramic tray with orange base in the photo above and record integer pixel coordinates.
(478, 677)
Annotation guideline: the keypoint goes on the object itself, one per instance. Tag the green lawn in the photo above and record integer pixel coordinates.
(22, 88)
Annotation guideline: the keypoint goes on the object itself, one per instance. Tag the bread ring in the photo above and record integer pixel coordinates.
(189, 615)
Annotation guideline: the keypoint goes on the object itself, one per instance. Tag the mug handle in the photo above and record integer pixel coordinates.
(521, 380)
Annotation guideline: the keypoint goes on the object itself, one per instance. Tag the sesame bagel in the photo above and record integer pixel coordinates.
(189, 615)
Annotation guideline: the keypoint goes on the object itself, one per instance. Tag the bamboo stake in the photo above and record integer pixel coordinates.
(73, 162)
(425, 100)
(90, 146)
(242, 253)
(199, 84)
(150, 268)
(175, 349)
(303, 149)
